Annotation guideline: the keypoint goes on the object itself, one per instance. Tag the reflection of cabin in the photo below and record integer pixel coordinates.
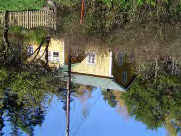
(55, 52)
(103, 70)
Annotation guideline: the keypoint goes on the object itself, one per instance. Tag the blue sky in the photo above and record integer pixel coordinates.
(102, 120)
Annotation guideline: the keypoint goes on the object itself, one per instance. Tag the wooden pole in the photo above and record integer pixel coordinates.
(46, 50)
(68, 92)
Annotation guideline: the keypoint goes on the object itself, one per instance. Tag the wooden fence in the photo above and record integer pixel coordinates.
(31, 19)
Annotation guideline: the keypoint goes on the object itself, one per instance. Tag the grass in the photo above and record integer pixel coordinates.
(68, 2)
(19, 5)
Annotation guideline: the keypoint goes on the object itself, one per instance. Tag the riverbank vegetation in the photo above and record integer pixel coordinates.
(24, 92)
(20, 5)
(154, 98)
(146, 28)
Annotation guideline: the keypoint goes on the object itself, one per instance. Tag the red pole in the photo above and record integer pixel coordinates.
(82, 11)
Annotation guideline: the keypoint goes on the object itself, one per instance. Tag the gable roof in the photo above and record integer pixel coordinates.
(102, 82)
(105, 83)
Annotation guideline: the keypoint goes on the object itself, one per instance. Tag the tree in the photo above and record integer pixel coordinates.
(22, 116)
(23, 94)
(110, 97)
(155, 101)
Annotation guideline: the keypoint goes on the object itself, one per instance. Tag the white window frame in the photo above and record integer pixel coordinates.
(57, 59)
(89, 56)
(52, 58)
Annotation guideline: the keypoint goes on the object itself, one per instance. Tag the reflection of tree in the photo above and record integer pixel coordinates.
(78, 91)
(115, 100)
(22, 116)
(1, 122)
(110, 97)
(156, 101)
(171, 128)
(62, 95)
(63, 98)
(23, 94)
(23, 84)
(83, 93)
(121, 107)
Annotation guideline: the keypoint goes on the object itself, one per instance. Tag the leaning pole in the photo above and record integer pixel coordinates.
(68, 93)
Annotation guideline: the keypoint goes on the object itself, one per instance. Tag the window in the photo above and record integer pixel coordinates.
(30, 50)
(120, 59)
(91, 57)
(124, 76)
(53, 56)
(56, 56)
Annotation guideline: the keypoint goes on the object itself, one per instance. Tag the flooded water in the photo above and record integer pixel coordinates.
(91, 114)
(121, 71)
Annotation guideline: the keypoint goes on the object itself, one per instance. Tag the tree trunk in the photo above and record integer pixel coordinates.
(5, 36)
(173, 66)
(21, 50)
(156, 67)
(176, 67)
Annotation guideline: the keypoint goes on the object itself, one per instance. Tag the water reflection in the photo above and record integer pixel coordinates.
(117, 90)
(153, 97)
(155, 104)
(99, 114)
(87, 106)
(21, 116)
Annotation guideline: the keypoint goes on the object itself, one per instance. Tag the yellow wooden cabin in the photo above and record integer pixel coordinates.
(100, 69)
(55, 52)
(104, 70)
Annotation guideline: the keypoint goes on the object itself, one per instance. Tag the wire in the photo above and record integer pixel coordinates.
(88, 113)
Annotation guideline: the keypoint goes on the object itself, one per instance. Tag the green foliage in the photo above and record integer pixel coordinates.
(104, 17)
(31, 86)
(110, 97)
(3, 74)
(67, 2)
(22, 116)
(23, 94)
(19, 5)
(153, 102)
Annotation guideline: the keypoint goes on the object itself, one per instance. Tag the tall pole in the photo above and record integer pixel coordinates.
(46, 50)
(68, 92)
(82, 12)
